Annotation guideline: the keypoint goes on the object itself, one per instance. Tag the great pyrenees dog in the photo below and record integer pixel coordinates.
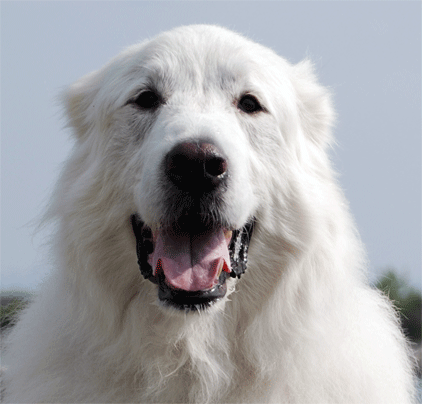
(204, 250)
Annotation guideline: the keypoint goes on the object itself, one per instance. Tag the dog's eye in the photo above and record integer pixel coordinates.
(249, 104)
(148, 100)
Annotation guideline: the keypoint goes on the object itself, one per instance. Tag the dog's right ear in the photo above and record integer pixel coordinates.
(79, 104)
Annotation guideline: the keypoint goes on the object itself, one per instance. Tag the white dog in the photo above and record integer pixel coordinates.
(205, 252)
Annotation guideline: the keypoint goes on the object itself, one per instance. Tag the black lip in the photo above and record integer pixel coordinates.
(239, 247)
(196, 300)
(191, 301)
(144, 247)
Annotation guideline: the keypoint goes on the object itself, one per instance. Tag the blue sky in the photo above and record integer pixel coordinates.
(368, 53)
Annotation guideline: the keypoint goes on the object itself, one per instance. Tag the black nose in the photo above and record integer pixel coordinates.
(196, 167)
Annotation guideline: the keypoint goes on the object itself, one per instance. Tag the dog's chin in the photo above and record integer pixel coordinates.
(196, 280)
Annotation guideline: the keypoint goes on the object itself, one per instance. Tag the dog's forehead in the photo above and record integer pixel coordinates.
(192, 58)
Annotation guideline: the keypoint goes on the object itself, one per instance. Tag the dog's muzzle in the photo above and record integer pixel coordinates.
(193, 252)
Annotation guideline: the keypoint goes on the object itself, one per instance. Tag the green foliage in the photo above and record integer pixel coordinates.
(407, 300)
(9, 312)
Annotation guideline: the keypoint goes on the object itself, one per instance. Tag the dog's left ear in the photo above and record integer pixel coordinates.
(316, 113)
(79, 103)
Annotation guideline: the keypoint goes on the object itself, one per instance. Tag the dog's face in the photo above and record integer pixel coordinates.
(196, 129)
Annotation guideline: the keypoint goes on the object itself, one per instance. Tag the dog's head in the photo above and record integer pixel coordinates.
(199, 136)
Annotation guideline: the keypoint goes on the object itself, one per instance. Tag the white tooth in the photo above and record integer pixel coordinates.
(220, 269)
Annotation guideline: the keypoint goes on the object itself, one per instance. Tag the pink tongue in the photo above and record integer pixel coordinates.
(191, 262)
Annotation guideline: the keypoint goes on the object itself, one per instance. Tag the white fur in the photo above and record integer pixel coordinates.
(301, 326)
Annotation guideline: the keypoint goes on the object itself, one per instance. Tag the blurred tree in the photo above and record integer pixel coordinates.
(406, 299)
(9, 310)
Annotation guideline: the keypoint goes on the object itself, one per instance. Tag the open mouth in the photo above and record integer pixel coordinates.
(190, 264)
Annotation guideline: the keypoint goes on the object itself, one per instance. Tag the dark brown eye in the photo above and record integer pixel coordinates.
(249, 104)
(148, 100)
